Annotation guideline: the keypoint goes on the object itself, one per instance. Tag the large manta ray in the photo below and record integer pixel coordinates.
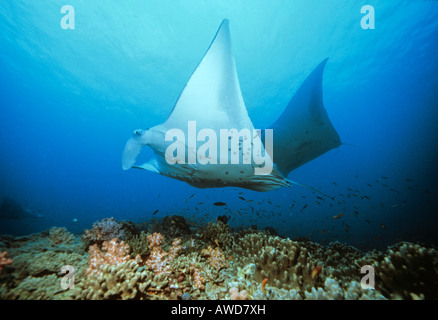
(211, 107)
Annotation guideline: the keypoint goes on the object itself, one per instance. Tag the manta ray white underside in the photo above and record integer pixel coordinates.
(212, 102)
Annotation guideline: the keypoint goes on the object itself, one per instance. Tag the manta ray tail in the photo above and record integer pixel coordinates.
(311, 188)
(304, 131)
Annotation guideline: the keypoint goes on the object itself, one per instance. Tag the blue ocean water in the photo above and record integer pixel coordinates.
(70, 99)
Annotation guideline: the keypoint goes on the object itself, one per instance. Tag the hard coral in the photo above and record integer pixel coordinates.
(3, 260)
(60, 236)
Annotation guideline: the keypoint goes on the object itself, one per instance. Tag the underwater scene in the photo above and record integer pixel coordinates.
(218, 150)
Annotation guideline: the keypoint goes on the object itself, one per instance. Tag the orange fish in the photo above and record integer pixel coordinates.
(316, 272)
(265, 280)
(217, 243)
(231, 257)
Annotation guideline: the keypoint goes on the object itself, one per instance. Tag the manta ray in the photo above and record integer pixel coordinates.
(11, 209)
(211, 106)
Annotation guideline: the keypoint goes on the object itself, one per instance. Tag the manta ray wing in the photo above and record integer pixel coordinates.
(303, 132)
(212, 95)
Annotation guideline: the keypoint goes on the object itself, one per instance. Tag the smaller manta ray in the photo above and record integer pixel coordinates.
(11, 209)
(211, 108)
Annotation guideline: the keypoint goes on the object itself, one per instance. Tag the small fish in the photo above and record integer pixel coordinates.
(155, 211)
(230, 258)
(265, 280)
(383, 226)
(217, 243)
(317, 203)
(383, 177)
(319, 198)
(220, 204)
(335, 183)
(367, 221)
(347, 228)
(189, 197)
(75, 220)
(242, 198)
(305, 206)
(408, 180)
(366, 197)
(338, 216)
(316, 272)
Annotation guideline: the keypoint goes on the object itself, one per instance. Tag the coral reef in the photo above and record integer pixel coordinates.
(406, 271)
(215, 257)
(218, 234)
(139, 245)
(235, 294)
(60, 236)
(217, 264)
(104, 230)
(3, 260)
(114, 254)
(175, 226)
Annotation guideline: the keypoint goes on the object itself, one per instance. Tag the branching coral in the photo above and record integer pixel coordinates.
(3, 260)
